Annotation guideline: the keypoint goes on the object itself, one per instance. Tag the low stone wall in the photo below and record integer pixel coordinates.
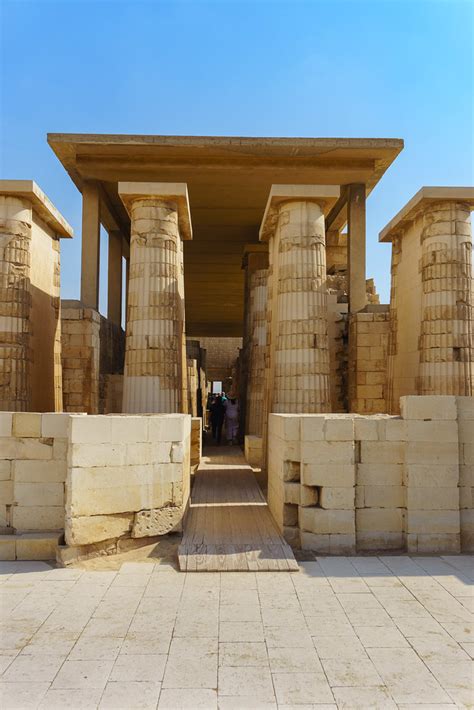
(340, 483)
(127, 475)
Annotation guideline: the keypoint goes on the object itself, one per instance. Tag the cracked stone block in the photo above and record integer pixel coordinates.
(157, 521)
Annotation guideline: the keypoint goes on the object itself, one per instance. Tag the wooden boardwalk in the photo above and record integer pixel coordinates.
(229, 526)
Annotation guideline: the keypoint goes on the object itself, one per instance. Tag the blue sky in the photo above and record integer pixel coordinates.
(383, 68)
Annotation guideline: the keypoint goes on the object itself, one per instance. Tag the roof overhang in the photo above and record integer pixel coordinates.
(424, 196)
(40, 203)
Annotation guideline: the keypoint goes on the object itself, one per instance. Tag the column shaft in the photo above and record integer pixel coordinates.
(299, 342)
(356, 247)
(446, 341)
(257, 276)
(155, 323)
(90, 246)
(114, 292)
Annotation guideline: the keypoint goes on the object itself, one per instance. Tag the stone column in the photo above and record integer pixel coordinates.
(90, 246)
(446, 342)
(155, 354)
(114, 291)
(255, 263)
(356, 247)
(15, 303)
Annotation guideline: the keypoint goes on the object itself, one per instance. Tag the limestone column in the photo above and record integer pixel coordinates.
(114, 291)
(297, 376)
(90, 246)
(446, 343)
(356, 247)
(255, 263)
(15, 303)
(155, 354)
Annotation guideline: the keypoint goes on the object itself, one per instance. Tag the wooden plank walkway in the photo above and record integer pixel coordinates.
(229, 526)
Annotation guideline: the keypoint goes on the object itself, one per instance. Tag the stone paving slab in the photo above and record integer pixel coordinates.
(359, 632)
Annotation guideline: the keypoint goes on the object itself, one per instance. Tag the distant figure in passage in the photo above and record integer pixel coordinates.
(232, 420)
(217, 418)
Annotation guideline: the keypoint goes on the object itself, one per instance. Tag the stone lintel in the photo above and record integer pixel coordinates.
(324, 195)
(175, 191)
(417, 203)
(40, 203)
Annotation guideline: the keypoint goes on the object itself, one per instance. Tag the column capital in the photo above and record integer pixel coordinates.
(176, 192)
(324, 195)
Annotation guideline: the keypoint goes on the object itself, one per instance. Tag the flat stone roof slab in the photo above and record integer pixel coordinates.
(41, 204)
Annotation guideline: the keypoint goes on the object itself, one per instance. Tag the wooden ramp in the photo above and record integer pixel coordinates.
(229, 526)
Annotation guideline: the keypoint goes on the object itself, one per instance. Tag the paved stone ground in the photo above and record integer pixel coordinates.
(362, 632)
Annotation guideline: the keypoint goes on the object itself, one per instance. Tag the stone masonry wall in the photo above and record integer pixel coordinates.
(344, 483)
(80, 357)
(127, 475)
(368, 343)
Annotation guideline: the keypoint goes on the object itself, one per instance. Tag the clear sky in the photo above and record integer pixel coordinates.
(338, 68)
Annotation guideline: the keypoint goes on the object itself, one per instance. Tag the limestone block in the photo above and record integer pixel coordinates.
(312, 427)
(466, 475)
(382, 452)
(129, 429)
(394, 428)
(465, 407)
(337, 498)
(331, 452)
(432, 522)
(55, 425)
(337, 475)
(177, 453)
(91, 455)
(468, 453)
(254, 450)
(38, 494)
(33, 449)
(380, 541)
(26, 424)
(89, 529)
(90, 429)
(366, 428)
(379, 520)
(384, 497)
(308, 495)
(169, 427)
(37, 546)
(467, 530)
(157, 452)
(328, 544)
(7, 547)
(6, 492)
(292, 493)
(438, 431)
(340, 428)
(422, 452)
(466, 497)
(317, 520)
(39, 471)
(438, 543)
(290, 515)
(38, 517)
(373, 474)
(291, 471)
(159, 521)
(436, 476)
(5, 470)
(292, 536)
(6, 424)
(431, 498)
(428, 407)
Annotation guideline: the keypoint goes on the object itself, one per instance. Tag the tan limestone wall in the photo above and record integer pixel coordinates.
(127, 475)
(15, 304)
(344, 483)
(111, 362)
(80, 357)
(221, 355)
(33, 467)
(368, 344)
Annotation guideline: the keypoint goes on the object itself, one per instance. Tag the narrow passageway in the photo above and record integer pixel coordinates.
(229, 525)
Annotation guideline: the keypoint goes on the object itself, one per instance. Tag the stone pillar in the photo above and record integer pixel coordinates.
(299, 355)
(255, 263)
(90, 246)
(446, 346)
(155, 354)
(15, 304)
(114, 292)
(356, 247)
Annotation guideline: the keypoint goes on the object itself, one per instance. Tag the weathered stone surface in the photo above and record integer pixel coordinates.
(158, 521)
(95, 528)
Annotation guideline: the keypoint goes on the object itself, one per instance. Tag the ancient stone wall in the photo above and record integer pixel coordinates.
(80, 357)
(344, 483)
(221, 356)
(111, 363)
(368, 343)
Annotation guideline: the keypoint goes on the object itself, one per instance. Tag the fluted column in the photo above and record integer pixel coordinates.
(256, 266)
(155, 355)
(15, 304)
(446, 341)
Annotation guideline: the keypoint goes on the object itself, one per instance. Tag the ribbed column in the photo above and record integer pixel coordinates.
(257, 276)
(446, 341)
(393, 404)
(153, 378)
(15, 304)
(299, 324)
